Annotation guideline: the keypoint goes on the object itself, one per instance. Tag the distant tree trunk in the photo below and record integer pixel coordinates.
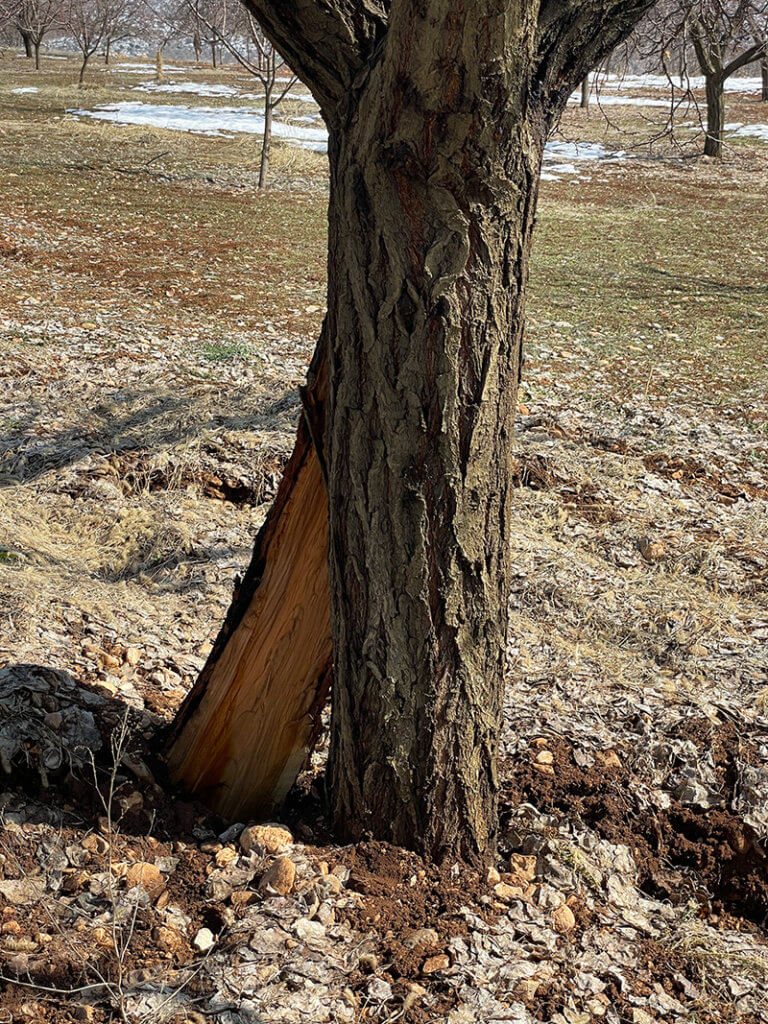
(585, 93)
(106, 52)
(713, 145)
(764, 75)
(159, 73)
(83, 67)
(213, 54)
(197, 46)
(267, 140)
(27, 40)
(36, 48)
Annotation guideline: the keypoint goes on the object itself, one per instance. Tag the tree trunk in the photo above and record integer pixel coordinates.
(764, 75)
(213, 54)
(437, 117)
(585, 93)
(36, 47)
(430, 231)
(267, 140)
(83, 67)
(159, 74)
(197, 46)
(713, 145)
(106, 52)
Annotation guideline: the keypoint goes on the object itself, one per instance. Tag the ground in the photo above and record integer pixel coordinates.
(156, 316)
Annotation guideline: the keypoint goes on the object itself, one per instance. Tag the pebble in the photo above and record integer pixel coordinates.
(271, 838)
(436, 963)
(421, 937)
(133, 656)
(545, 757)
(563, 919)
(147, 876)
(204, 940)
(280, 876)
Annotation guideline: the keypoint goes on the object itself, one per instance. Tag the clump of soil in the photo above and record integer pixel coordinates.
(681, 852)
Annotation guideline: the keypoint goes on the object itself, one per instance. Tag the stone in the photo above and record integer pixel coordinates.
(436, 963)
(54, 720)
(133, 656)
(204, 940)
(506, 893)
(169, 940)
(563, 919)
(280, 876)
(226, 856)
(421, 937)
(415, 993)
(544, 769)
(545, 757)
(610, 759)
(309, 931)
(147, 875)
(332, 883)
(522, 867)
(493, 876)
(270, 838)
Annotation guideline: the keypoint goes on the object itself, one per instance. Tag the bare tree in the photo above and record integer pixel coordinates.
(34, 20)
(260, 59)
(385, 561)
(160, 21)
(120, 22)
(721, 33)
(87, 23)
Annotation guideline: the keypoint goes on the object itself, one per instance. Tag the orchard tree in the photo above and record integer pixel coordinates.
(87, 22)
(723, 36)
(259, 58)
(34, 20)
(385, 561)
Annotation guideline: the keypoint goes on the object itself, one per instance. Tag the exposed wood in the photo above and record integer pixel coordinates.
(246, 727)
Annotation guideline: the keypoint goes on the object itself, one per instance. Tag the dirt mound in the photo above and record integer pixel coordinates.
(682, 851)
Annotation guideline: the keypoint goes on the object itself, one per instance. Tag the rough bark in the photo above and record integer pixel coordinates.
(437, 113)
(27, 40)
(713, 144)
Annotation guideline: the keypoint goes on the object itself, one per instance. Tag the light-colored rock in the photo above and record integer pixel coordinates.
(506, 893)
(133, 656)
(421, 937)
(563, 919)
(432, 964)
(147, 875)
(280, 876)
(523, 867)
(226, 856)
(545, 757)
(270, 838)
(204, 940)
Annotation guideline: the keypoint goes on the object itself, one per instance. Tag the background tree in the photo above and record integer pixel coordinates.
(437, 112)
(35, 19)
(86, 21)
(721, 33)
(260, 59)
(160, 21)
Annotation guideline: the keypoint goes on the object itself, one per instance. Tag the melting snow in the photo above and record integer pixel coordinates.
(26, 88)
(207, 121)
(198, 88)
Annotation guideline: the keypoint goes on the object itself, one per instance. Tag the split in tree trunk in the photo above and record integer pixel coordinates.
(249, 722)
(713, 145)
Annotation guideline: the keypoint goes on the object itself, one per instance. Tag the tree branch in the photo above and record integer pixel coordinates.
(574, 36)
(327, 43)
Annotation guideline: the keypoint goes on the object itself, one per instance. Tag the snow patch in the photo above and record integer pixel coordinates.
(25, 89)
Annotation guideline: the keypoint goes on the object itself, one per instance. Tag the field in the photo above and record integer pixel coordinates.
(157, 312)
